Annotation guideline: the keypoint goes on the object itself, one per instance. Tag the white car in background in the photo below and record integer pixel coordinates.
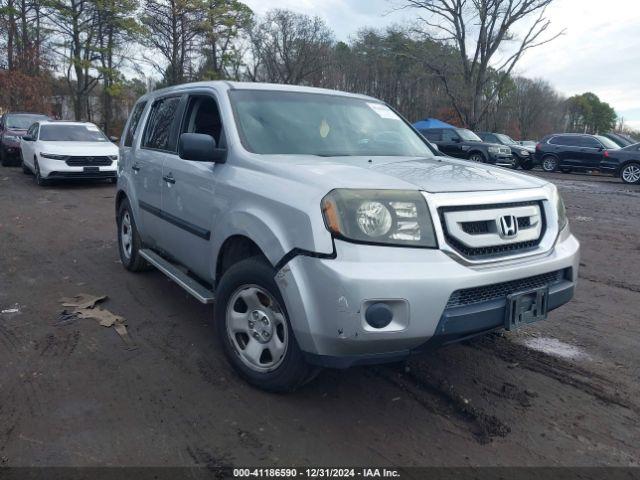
(57, 150)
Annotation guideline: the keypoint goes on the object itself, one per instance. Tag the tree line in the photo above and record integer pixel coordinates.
(456, 63)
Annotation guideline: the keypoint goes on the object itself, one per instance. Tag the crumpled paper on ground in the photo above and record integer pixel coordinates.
(84, 306)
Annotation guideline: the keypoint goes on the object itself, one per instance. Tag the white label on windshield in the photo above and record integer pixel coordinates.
(92, 128)
(383, 111)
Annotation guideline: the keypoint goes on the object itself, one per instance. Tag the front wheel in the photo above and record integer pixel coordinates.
(40, 181)
(528, 165)
(25, 169)
(254, 329)
(630, 173)
(549, 164)
(476, 157)
(129, 239)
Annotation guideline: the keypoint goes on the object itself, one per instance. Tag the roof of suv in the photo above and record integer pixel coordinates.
(228, 85)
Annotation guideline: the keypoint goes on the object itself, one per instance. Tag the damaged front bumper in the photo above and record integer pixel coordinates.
(327, 299)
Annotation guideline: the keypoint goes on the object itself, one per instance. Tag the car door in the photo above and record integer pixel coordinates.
(567, 149)
(451, 143)
(590, 153)
(189, 187)
(158, 142)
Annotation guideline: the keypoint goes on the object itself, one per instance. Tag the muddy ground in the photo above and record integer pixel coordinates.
(561, 392)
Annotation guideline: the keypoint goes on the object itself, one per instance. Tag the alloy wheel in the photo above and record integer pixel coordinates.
(126, 234)
(631, 173)
(549, 164)
(256, 325)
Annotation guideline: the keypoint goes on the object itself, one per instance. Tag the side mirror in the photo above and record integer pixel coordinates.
(27, 138)
(200, 147)
(114, 139)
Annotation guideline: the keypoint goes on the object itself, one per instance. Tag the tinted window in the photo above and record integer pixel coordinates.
(133, 124)
(589, 142)
(203, 117)
(468, 135)
(433, 135)
(608, 143)
(449, 135)
(158, 130)
(565, 140)
(71, 133)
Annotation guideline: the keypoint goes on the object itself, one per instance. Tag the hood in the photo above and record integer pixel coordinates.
(15, 131)
(79, 148)
(435, 175)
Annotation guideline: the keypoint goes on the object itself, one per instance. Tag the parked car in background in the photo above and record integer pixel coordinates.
(618, 139)
(12, 126)
(572, 151)
(623, 162)
(55, 150)
(524, 157)
(463, 143)
(327, 231)
(528, 143)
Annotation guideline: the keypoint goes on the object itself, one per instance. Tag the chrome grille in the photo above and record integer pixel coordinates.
(470, 296)
(479, 238)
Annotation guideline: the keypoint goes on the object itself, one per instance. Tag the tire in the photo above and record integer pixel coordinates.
(630, 173)
(259, 344)
(477, 157)
(129, 243)
(565, 170)
(4, 160)
(528, 165)
(25, 169)
(549, 164)
(42, 182)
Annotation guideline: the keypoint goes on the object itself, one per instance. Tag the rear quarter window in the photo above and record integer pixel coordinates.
(133, 123)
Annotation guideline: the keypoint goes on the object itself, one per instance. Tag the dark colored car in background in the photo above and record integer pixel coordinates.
(572, 151)
(623, 163)
(621, 140)
(14, 125)
(523, 157)
(463, 143)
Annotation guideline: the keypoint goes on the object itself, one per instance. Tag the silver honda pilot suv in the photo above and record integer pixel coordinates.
(328, 231)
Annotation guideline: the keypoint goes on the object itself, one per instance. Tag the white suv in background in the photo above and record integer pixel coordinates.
(68, 150)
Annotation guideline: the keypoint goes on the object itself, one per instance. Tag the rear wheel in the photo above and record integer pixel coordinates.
(549, 164)
(253, 326)
(129, 239)
(630, 173)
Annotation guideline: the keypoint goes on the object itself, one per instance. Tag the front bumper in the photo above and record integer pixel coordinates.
(326, 298)
(502, 160)
(58, 169)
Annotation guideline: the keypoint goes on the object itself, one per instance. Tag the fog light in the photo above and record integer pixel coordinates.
(378, 315)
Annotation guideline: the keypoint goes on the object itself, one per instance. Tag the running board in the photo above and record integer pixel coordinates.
(192, 286)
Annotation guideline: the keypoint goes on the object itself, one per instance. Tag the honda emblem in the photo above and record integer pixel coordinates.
(508, 226)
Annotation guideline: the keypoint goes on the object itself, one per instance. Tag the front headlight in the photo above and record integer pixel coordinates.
(524, 153)
(113, 157)
(385, 217)
(561, 211)
(494, 149)
(12, 138)
(53, 156)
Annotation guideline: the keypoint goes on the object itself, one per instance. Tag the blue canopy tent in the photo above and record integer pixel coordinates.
(431, 123)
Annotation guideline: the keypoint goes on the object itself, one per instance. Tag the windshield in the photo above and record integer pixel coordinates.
(608, 143)
(22, 122)
(506, 139)
(468, 135)
(290, 123)
(72, 133)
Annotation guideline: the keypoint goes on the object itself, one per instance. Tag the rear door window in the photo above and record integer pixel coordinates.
(569, 140)
(133, 124)
(159, 134)
(433, 135)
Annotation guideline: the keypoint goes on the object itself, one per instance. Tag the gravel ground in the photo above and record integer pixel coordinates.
(560, 392)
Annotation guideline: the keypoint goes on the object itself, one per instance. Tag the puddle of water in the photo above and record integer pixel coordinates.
(553, 346)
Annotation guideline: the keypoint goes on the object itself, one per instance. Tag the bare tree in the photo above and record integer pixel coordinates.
(289, 47)
(483, 34)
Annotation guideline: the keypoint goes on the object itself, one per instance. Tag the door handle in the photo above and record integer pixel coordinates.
(169, 178)
(135, 167)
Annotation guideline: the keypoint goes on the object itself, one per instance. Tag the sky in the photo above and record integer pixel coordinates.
(598, 52)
